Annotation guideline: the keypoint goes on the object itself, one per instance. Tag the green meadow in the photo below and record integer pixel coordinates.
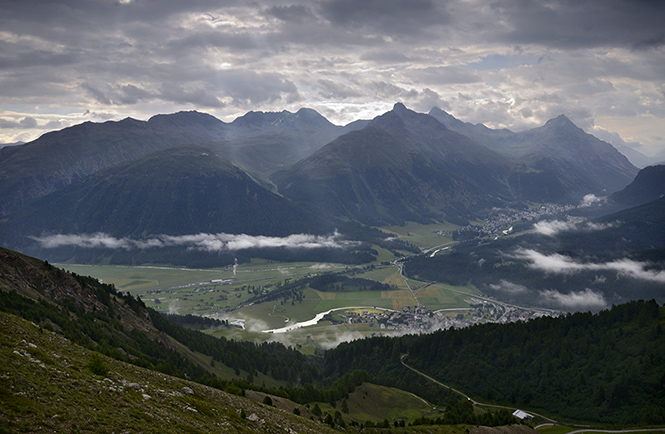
(202, 292)
(423, 236)
(182, 290)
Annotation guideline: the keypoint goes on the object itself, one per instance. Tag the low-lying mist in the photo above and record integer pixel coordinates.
(203, 241)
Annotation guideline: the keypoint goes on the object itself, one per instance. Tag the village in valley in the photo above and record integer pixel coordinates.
(501, 221)
(417, 320)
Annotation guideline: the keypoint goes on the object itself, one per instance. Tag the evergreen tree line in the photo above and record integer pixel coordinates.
(460, 411)
(337, 282)
(196, 321)
(273, 359)
(607, 367)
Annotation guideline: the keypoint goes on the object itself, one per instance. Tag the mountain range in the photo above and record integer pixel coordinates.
(583, 163)
(58, 158)
(280, 173)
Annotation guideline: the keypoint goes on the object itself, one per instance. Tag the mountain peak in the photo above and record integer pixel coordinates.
(399, 107)
(561, 120)
(311, 115)
(183, 118)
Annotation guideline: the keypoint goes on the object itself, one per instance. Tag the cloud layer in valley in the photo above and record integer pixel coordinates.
(203, 241)
(562, 264)
(574, 300)
(553, 227)
(506, 63)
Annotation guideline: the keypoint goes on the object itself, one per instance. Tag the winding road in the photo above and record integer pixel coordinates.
(400, 266)
(551, 421)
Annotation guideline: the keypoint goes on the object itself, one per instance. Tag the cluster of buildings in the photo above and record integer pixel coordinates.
(497, 222)
(413, 319)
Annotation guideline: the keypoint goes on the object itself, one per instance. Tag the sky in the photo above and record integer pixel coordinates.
(504, 63)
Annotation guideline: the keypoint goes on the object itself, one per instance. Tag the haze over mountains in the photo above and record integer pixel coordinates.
(58, 158)
(126, 184)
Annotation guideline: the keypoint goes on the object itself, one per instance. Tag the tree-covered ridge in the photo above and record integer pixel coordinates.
(196, 322)
(336, 282)
(607, 367)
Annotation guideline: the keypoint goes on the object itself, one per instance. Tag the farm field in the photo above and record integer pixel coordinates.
(380, 274)
(423, 236)
(434, 297)
(142, 279)
(190, 291)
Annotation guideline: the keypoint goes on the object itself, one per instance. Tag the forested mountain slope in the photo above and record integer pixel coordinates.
(582, 163)
(51, 384)
(648, 185)
(180, 190)
(607, 367)
(402, 166)
(58, 158)
(99, 318)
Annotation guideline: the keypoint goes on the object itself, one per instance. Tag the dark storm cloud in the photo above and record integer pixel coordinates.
(25, 123)
(387, 91)
(512, 63)
(293, 13)
(35, 58)
(205, 39)
(249, 87)
(577, 24)
(4, 123)
(331, 89)
(386, 56)
(131, 94)
(196, 95)
(386, 16)
(28, 122)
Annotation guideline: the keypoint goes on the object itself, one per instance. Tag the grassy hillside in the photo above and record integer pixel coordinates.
(48, 383)
(94, 315)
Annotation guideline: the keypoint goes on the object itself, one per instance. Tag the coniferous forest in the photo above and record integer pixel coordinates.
(607, 367)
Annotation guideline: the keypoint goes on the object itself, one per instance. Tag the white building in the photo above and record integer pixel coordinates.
(522, 415)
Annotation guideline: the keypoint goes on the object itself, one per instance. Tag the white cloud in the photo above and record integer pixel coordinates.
(551, 228)
(322, 266)
(509, 287)
(590, 199)
(504, 63)
(592, 226)
(340, 338)
(562, 264)
(202, 241)
(586, 299)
